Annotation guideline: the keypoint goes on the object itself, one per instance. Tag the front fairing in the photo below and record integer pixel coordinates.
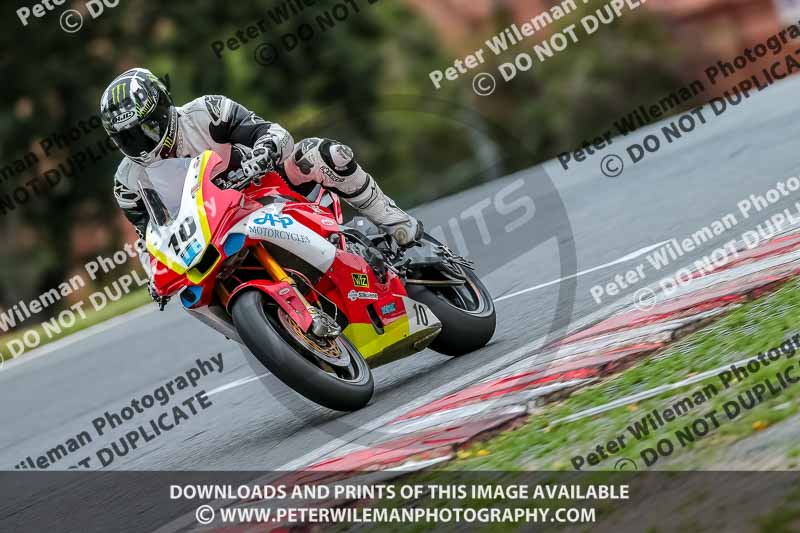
(178, 232)
(186, 217)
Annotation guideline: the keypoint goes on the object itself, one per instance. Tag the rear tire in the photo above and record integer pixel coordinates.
(468, 319)
(292, 362)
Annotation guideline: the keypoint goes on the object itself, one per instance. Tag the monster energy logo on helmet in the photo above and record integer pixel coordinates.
(138, 114)
(118, 92)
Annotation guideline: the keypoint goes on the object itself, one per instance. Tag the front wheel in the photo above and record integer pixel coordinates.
(466, 311)
(330, 372)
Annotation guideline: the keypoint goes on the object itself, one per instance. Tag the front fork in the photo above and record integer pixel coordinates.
(321, 324)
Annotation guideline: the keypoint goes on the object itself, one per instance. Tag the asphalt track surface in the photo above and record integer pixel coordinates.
(262, 425)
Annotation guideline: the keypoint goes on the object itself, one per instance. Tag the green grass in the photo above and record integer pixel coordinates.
(542, 444)
(130, 302)
(546, 445)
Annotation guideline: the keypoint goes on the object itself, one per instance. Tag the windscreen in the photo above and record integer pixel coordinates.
(162, 189)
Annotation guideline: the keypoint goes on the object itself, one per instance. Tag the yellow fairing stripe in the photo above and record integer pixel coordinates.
(369, 343)
(201, 206)
(179, 268)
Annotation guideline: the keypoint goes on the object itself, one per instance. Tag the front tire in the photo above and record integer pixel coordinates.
(279, 345)
(467, 314)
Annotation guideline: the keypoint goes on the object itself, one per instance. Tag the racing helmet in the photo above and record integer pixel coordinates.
(138, 114)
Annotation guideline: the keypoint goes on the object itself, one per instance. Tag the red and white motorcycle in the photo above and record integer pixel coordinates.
(316, 301)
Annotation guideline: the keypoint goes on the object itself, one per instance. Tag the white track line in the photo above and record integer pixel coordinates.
(383, 420)
(525, 352)
(474, 376)
(628, 257)
(633, 255)
(237, 383)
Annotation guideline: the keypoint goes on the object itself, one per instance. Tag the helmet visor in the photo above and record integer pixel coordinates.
(145, 136)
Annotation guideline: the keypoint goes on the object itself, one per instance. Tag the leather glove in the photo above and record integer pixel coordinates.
(260, 161)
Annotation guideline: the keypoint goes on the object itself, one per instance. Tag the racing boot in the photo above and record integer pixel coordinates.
(381, 210)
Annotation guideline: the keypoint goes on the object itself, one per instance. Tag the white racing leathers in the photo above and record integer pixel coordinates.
(220, 124)
(332, 164)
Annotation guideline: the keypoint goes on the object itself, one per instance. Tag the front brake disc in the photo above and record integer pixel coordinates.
(327, 350)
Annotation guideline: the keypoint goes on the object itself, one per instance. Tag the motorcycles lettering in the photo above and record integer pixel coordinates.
(319, 303)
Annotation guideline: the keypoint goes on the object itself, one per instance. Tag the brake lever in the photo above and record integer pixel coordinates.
(237, 179)
(234, 180)
(240, 180)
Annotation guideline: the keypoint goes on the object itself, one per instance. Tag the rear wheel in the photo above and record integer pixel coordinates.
(466, 311)
(330, 372)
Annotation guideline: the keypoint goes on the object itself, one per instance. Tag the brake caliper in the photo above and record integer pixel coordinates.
(322, 325)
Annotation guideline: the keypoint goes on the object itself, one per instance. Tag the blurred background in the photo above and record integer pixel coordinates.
(365, 82)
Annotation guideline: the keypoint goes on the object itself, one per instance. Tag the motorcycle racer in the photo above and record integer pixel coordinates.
(140, 117)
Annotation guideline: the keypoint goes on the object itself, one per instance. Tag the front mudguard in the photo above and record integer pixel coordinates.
(282, 294)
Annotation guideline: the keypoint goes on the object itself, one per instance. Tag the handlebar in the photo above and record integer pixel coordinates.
(239, 180)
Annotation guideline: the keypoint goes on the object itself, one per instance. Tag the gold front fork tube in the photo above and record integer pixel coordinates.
(270, 265)
(278, 273)
(223, 293)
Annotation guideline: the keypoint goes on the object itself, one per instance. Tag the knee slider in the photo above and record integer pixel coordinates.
(338, 156)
